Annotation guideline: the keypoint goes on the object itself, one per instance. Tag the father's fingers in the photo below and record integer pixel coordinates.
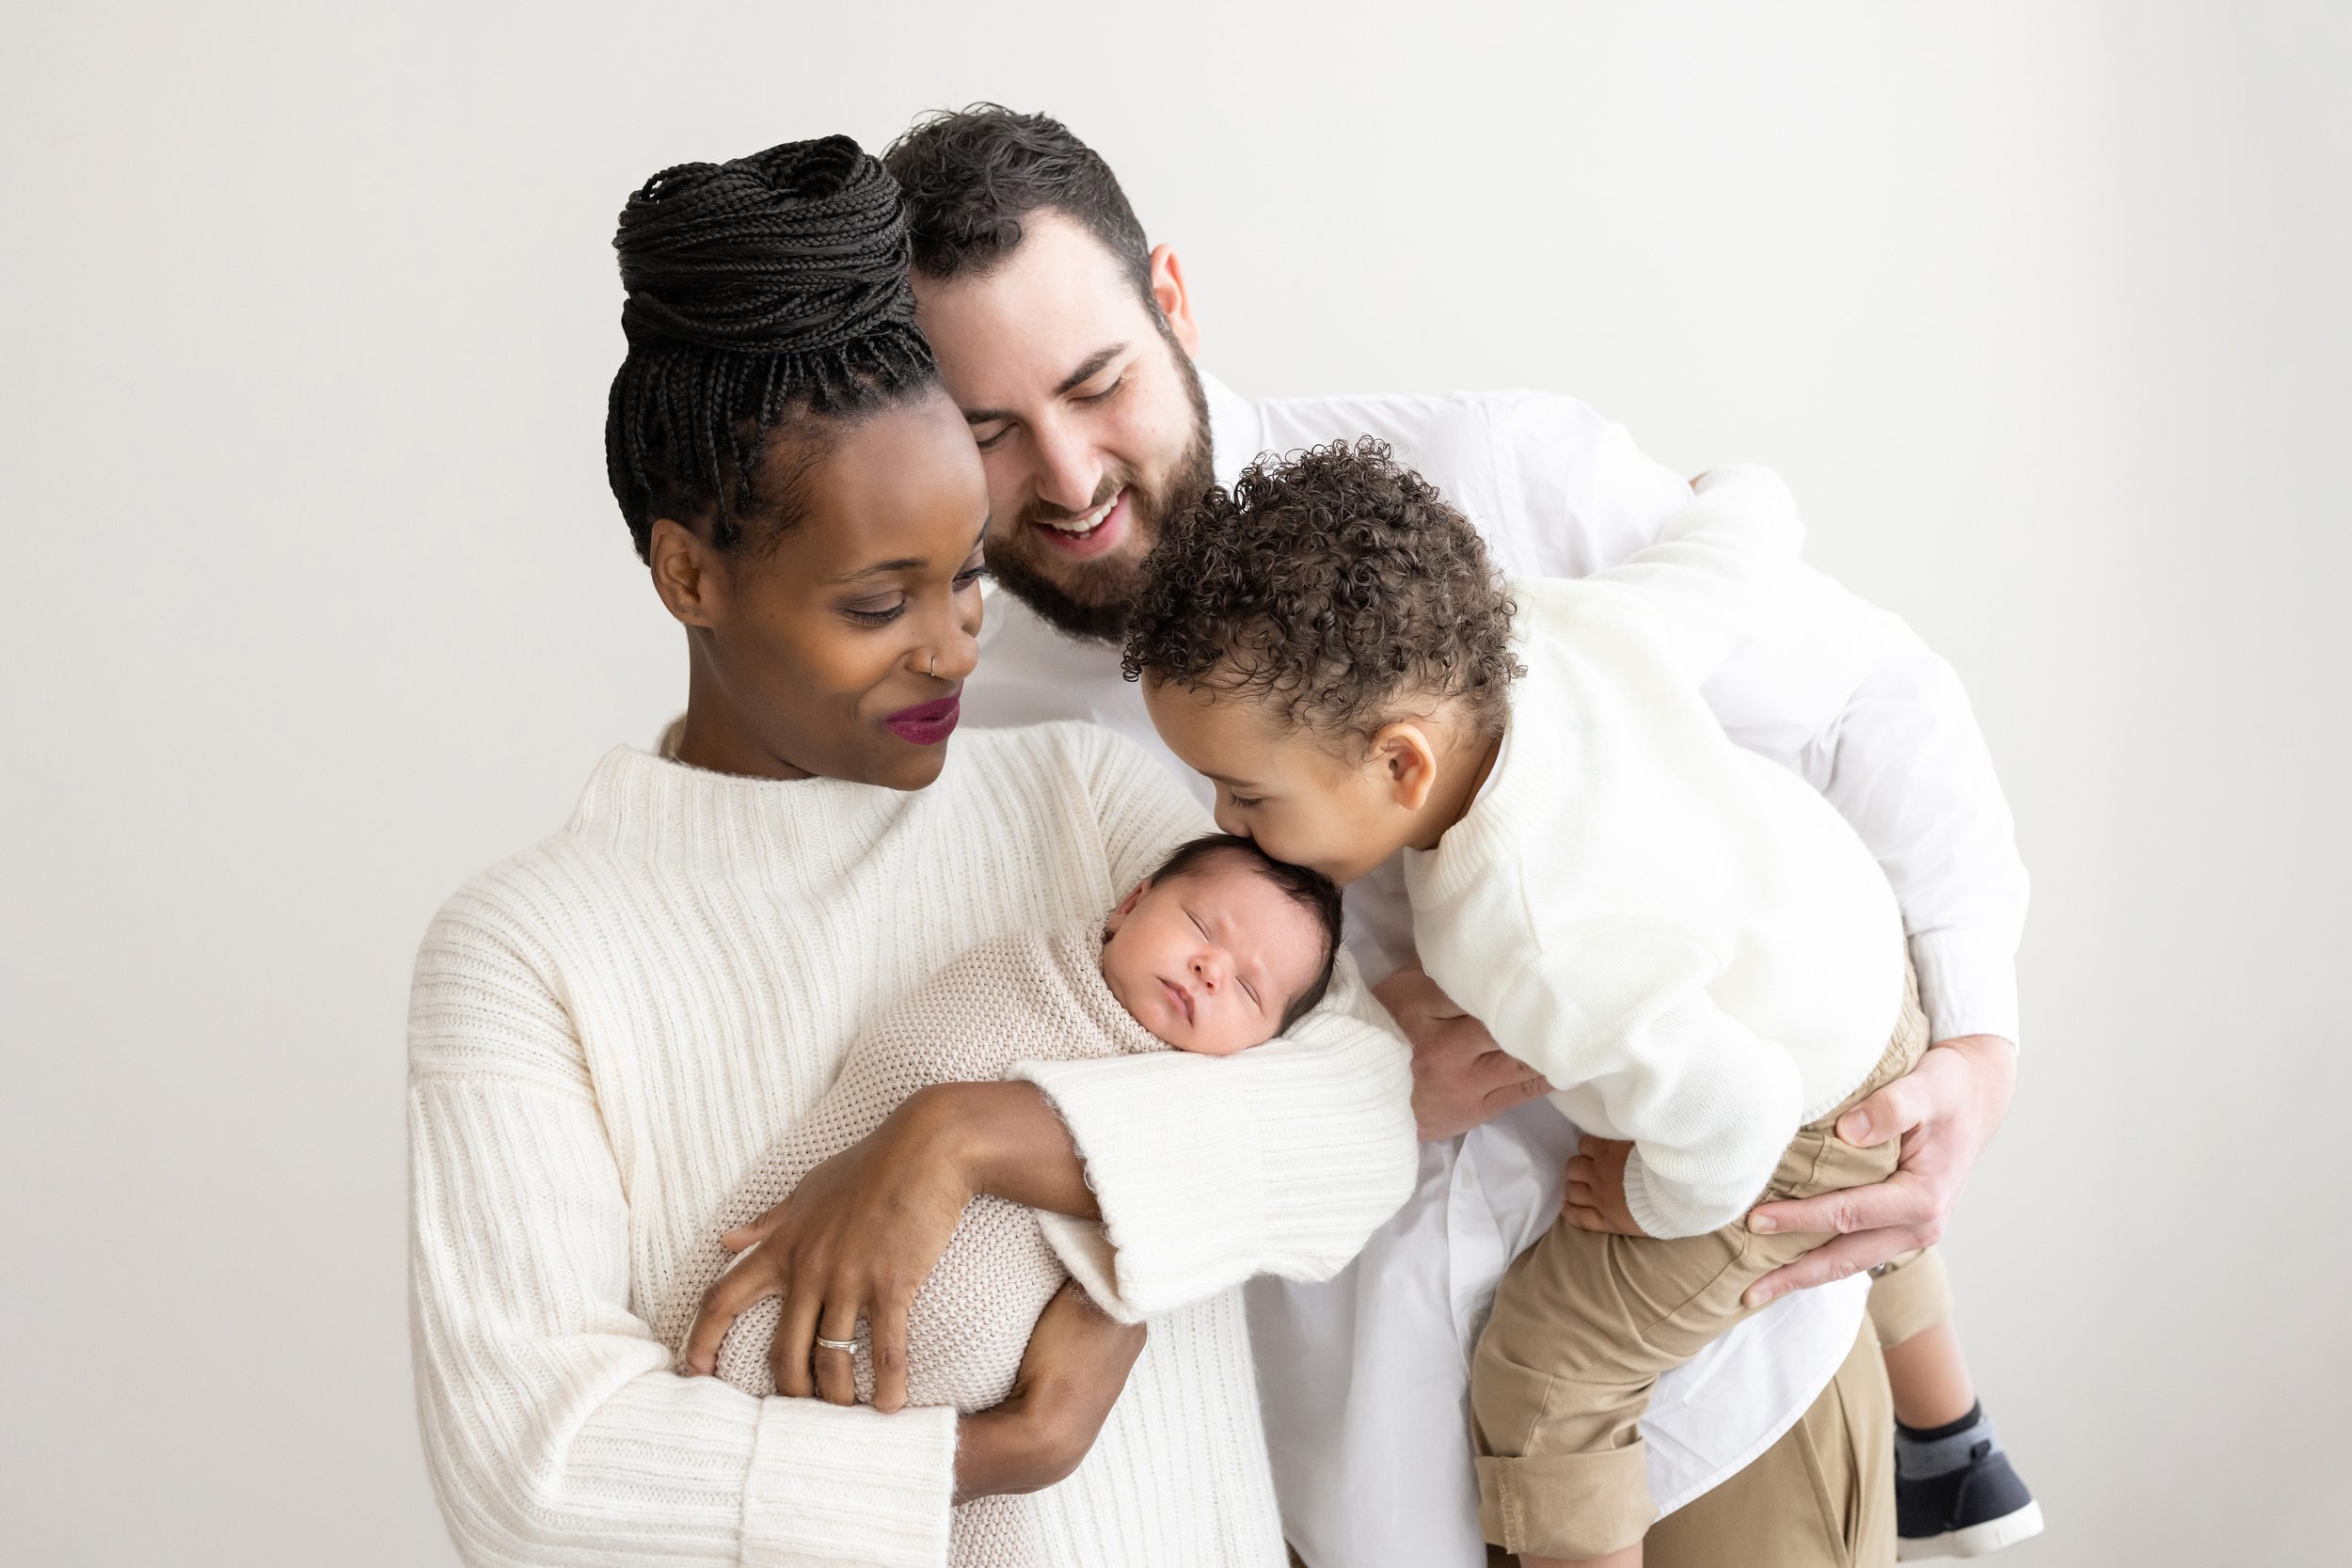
(1505, 1097)
(1888, 1114)
(1901, 1199)
(729, 1297)
(1842, 1259)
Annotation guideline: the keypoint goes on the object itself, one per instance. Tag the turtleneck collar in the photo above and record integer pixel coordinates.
(645, 806)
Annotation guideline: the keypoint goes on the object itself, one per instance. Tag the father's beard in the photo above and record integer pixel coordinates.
(1090, 598)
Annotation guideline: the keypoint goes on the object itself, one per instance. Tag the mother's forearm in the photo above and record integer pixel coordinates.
(1010, 1142)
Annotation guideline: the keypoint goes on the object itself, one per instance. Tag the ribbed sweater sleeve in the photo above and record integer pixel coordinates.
(1710, 1106)
(1281, 1160)
(554, 1431)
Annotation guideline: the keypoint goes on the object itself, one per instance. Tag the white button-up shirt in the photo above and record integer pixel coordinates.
(1364, 1378)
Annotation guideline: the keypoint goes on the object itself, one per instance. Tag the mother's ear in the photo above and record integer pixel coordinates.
(687, 573)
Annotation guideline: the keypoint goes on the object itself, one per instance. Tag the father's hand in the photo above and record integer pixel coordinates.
(1461, 1077)
(1945, 1112)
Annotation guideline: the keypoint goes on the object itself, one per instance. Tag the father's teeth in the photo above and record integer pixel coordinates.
(1086, 523)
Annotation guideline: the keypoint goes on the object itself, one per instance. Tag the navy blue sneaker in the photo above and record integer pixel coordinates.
(1979, 1507)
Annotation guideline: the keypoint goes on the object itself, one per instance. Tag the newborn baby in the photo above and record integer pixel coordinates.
(1218, 950)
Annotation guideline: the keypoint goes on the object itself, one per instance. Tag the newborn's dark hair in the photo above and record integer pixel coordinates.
(1335, 585)
(771, 286)
(1311, 890)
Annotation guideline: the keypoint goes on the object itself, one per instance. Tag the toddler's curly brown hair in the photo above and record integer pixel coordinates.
(1335, 585)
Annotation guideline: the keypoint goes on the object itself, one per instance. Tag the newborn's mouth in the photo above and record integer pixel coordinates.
(1179, 995)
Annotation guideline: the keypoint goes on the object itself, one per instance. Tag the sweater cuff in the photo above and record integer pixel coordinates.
(1664, 1211)
(1968, 983)
(1174, 1165)
(835, 1486)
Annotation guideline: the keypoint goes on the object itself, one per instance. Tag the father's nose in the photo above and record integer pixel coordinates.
(1069, 469)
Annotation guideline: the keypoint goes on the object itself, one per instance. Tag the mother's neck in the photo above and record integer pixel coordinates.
(716, 736)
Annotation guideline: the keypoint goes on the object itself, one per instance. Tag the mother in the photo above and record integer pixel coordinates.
(607, 1028)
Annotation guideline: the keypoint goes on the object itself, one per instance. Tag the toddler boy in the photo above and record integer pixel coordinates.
(1683, 937)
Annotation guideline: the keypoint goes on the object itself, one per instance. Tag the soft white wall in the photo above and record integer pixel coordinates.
(319, 604)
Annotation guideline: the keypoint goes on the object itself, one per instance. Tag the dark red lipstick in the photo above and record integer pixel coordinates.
(927, 723)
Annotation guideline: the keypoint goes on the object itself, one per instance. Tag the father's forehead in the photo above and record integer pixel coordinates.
(1021, 327)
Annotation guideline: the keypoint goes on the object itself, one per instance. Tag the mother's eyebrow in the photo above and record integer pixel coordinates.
(905, 563)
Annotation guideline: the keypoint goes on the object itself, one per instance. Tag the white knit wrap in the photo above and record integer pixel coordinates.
(1015, 999)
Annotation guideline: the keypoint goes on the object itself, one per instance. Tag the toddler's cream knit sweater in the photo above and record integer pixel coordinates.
(1683, 936)
(607, 1030)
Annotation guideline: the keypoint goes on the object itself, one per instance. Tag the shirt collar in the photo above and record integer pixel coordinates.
(1237, 435)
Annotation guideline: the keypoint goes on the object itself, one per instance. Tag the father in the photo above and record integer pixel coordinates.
(1068, 342)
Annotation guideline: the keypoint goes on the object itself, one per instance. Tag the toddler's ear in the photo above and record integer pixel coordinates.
(1408, 763)
(1127, 905)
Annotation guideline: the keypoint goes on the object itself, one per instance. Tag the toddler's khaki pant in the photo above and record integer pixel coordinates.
(1585, 1324)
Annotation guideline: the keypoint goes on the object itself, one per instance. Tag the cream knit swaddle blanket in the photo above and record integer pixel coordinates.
(1027, 998)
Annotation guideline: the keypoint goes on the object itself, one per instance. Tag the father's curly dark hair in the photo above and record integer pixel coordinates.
(1335, 584)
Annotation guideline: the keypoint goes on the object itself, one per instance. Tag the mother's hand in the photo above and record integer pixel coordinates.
(864, 1229)
(1071, 1375)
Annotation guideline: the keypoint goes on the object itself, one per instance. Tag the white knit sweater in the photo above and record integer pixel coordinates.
(1035, 996)
(1683, 935)
(607, 1030)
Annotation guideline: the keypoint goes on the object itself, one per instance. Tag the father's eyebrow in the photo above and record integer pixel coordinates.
(1091, 367)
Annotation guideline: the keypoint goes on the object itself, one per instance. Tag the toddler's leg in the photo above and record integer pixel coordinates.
(1956, 1493)
(1583, 1325)
(1911, 1309)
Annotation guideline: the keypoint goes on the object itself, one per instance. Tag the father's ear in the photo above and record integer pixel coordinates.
(686, 573)
(1175, 300)
(1126, 906)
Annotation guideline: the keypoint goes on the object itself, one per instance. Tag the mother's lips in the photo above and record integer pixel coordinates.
(927, 723)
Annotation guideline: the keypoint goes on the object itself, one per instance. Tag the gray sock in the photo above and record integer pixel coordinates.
(1921, 1451)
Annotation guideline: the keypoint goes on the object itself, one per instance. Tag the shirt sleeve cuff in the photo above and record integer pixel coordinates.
(833, 1485)
(1967, 983)
(1176, 1170)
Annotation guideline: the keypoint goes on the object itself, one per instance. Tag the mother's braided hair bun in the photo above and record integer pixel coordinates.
(767, 283)
(793, 250)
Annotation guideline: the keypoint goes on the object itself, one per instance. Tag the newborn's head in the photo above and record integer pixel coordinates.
(1222, 947)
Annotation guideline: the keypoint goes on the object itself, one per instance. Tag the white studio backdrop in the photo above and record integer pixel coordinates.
(319, 604)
